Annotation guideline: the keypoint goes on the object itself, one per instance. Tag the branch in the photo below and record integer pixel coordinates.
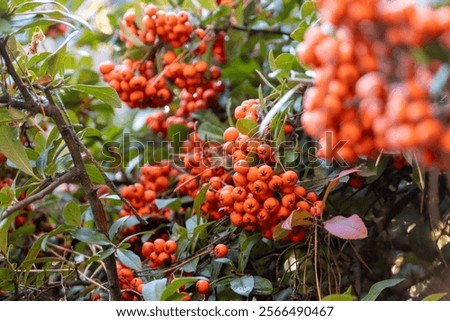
(253, 31)
(110, 183)
(49, 108)
(31, 103)
(69, 136)
(39, 195)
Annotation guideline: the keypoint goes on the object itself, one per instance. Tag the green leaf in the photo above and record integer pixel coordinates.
(207, 4)
(42, 159)
(27, 6)
(12, 147)
(378, 287)
(172, 203)
(247, 127)
(90, 236)
(262, 286)
(94, 174)
(104, 93)
(129, 259)
(200, 199)
(211, 132)
(286, 62)
(339, 297)
(175, 285)
(245, 250)
(177, 133)
(4, 229)
(279, 107)
(5, 27)
(116, 226)
(272, 64)
(72, 214)
(153, 290)
(434, 296)
(243, 285)
(279, 232)
(6, 196)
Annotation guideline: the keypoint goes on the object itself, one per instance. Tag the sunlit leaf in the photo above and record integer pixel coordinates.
(12, 147)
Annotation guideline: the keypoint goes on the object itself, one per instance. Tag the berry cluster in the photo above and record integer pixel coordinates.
(130, 285)
(142, 84)
(154, 179)
(136, 83)
(257, 198)
(159, 252)
(369, 91)
(172, 28)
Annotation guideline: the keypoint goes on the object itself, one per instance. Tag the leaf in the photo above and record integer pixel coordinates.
(279, 106)
(129, 259)
(94, 174)
(211, 132)
(116, 225)
(175, 285)
(177, 133)
(297, 219)
(339, 297)
(286, 62)
(378, 287)
(72, 214)
(12, 147)
(153, 290)
(434, 296)
(27, 6)
(4, 229)
(279, 232)
(207, 4)
(172, 203)
(347, 228)
(6, 196)
(262, 286)
(243, 285)
(5, 26)
(41, 162)
(245, 250)
(104, 93)
(90, 236)
(247, 126)
(200, 198)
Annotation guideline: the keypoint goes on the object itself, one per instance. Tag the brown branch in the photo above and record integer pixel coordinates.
(110, 183)
(68, 134)
(433, 198)
(49, 107)
(30, 101)
(39, 195)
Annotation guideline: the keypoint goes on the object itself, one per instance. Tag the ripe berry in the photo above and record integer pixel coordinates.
(202, 286)
(220, 250)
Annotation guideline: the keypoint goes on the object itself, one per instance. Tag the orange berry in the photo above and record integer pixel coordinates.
(160, 245)
(220, 250)
(202, 286)
(230, 134)
(170, 247)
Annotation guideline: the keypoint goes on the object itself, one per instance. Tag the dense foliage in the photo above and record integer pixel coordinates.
(227, 150)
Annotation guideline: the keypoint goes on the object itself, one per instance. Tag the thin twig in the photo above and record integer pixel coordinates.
(67, 177)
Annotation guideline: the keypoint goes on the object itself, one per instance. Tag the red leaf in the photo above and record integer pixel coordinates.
(347, 228)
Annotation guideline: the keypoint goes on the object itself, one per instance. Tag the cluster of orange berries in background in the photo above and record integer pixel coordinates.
(159, 252)
(136, 83)
(182, 73)
(369, 90)
(153, 179)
